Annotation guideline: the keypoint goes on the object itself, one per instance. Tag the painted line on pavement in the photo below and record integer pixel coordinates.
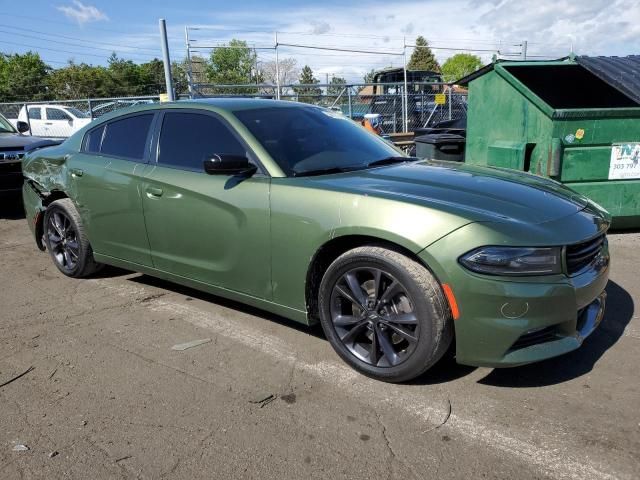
(545, 452)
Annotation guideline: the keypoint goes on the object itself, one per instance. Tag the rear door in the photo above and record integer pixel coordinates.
(107, 180)
(209, 228)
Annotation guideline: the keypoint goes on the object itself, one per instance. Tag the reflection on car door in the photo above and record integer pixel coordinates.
(106, 178)
(209, 228)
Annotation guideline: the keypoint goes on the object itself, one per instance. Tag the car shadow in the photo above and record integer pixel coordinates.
(619, 312)
(11, 207)
(190, 293)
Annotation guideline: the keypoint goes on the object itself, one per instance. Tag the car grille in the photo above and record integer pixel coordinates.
(535, 337)
(580, 255)
(10, 176)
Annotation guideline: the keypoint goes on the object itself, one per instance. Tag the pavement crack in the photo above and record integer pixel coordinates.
(444, 421)
(392, 453)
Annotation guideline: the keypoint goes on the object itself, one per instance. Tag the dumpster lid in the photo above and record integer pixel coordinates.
(622, 73)
(440, 138)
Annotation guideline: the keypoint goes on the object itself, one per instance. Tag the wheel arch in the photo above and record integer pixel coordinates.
(39, 224)
(332, 249)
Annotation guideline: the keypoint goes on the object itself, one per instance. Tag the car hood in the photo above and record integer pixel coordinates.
(24, 142)
(476, 193)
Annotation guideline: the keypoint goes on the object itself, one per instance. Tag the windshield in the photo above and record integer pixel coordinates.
(5, 126)
(311, 139)
(76, 113)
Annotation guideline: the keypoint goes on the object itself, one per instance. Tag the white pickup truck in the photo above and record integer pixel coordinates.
(50, 120)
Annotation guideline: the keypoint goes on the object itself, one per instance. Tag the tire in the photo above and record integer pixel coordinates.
(67, 241)
(392, 325)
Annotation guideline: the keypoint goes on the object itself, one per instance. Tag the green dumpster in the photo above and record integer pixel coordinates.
(576, 120)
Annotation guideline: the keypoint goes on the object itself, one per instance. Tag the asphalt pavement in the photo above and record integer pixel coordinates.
(127, 376)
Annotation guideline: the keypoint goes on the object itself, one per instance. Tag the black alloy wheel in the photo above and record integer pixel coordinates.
(374, 317)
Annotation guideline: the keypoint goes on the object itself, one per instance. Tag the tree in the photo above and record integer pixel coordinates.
(232, 65)
(287, 71)
(79, 81)
(460, 65)
(23, 77)
(336, 85)
(152, 77)
(126, 77)
(422, 57)
(308, 91)
(369, 76)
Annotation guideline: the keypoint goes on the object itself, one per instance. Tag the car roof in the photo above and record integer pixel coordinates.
(229, 104)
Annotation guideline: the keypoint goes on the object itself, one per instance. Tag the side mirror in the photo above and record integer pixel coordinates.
(22, 126)
(227, 164)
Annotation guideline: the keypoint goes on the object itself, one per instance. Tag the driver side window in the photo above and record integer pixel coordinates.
(57, 114)
(188, 139)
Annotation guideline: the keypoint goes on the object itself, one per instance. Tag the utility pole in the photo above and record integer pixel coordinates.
(167, 62)
(277, 70)
(405, 94)
(524, 50)
(189, 69)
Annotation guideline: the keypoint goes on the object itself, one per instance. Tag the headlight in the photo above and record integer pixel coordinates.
(514, 260)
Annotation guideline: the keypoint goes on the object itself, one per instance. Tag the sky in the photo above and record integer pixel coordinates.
(89, 30)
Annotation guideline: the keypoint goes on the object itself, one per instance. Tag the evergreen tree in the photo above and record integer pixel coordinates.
(307, 93)
(422, 57)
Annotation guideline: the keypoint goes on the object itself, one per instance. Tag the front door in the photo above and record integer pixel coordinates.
(36, 121)
(58, 123)
(107, 177)
(209, 228)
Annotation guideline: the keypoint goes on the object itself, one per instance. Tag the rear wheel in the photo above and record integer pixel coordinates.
(384, 313)
(66, 240)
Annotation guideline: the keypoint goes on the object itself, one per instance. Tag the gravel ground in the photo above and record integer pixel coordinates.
(106, 396)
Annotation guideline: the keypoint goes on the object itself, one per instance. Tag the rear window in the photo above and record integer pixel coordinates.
(93, 140)
(127, 138)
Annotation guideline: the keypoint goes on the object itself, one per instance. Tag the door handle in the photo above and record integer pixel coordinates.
(76, 172)
(156, 192)
(48, 123)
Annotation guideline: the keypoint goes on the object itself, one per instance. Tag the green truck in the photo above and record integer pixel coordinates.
(576, 120)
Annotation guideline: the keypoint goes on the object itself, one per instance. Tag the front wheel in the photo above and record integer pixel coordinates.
(66, 240)
(384, 313)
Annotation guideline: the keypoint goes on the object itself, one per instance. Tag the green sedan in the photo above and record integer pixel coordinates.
(299, 211)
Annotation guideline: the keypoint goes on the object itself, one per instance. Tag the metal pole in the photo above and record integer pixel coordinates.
(167, 62)
(450, 89)
(277, 70)
(406, 91)
(189, 68)
(26, 111)
(350, 105)
(524, 50)
(90, 108)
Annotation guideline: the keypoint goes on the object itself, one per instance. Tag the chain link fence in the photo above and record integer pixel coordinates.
(427, 105)
(62, 118)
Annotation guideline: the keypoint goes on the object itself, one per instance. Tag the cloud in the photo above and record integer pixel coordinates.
(82, 13)
(320, 27)
(482, 27)
(408, 28)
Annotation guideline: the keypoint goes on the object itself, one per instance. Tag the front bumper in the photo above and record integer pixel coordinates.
(507, 322)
